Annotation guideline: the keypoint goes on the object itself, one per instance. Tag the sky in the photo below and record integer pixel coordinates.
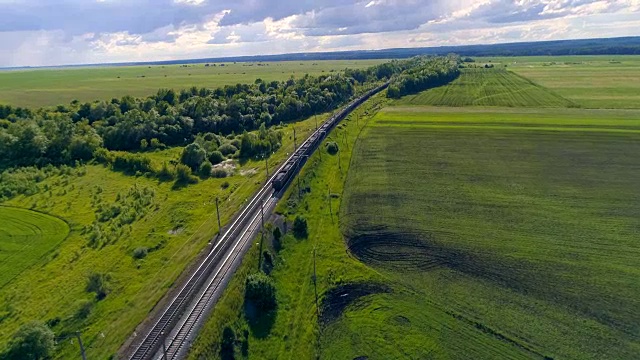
(64, 32)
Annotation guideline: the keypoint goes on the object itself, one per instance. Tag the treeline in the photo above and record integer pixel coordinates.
(67, 133)
(425, 74)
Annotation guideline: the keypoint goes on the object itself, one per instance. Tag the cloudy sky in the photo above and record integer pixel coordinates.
(55, 32)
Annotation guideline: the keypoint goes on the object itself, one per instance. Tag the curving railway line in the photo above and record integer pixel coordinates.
(172, 333)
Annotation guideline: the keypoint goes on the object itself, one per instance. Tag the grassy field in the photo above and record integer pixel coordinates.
(488, 87)
(486, 222)
(174, 227)
(50, 87)
(25, 237)
(590, 81)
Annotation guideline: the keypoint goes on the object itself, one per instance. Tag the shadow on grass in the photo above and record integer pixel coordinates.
(259, 323)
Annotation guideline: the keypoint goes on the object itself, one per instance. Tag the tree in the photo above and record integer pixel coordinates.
(332, 148)
(300, 227)
(183, 175)
(260, 292)
(193, 156)
(205, 169)
(32, 341)
(216, 157)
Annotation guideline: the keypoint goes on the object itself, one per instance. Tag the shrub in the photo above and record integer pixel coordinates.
(165, 173)
(132, 163)
(156, 144)
(227, 149)
(32, 341)
(205, 169)
(260, 292)
(332, 148)
(140, 253)
(193, 156)
(98, 284)
(216, 157)
(183, 174)
(300, 227)
(219, 173)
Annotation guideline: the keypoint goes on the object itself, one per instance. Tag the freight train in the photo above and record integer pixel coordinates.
(296, 161)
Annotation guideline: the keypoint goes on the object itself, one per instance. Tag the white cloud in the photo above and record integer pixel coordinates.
(35, 32)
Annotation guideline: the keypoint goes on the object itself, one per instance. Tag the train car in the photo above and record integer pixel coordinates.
(295, 162)
(285, 173)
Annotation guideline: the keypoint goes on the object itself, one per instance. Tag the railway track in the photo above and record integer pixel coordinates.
(172, 333)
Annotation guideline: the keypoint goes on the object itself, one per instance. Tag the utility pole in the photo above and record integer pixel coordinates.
(266, 164)
(316, 117)
(84, 356)
(218, 213)
(346, 138)
(299, 191)
(339, 162)
(295, 147)
(315, 283)
(330, 210)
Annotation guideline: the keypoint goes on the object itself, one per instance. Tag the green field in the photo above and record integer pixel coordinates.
(504, 230)
(590, 81)
(488, 87)
(487, 222)
(174, 227)
(25, 237)
(50, 87)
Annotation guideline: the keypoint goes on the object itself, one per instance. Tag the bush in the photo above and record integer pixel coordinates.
(140, 253)
(332, 148)
(205, 169)
(165, 173)
(216, 157)
(260, 292)
(219, 173)
(193, 156)
(300, 227)
(227, 149)
(131, 163)
(32, 341)
(183, 175)
(98, 284)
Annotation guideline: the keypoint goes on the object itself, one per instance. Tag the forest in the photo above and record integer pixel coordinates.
(75, 132)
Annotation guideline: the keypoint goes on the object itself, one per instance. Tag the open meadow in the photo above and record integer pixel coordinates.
(605, 81)
(501, 228)
(58, 86)
(25, 237)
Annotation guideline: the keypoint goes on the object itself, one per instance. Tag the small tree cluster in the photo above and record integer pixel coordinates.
(332, 147)
(260, 292)
(33, 341)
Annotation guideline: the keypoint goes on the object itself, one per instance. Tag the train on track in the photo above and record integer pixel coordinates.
(296, 161)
